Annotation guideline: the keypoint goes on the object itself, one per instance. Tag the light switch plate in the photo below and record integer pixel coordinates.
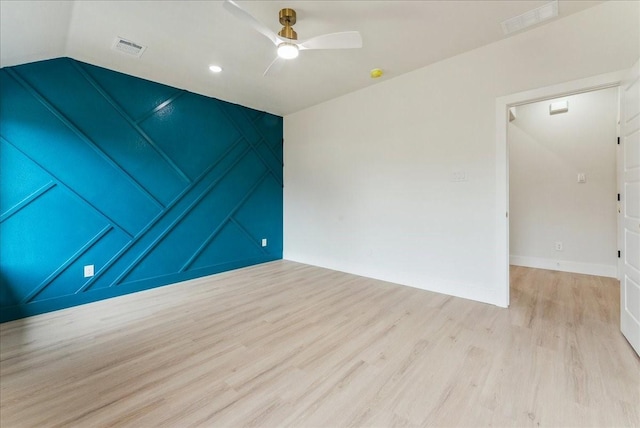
(458, 176)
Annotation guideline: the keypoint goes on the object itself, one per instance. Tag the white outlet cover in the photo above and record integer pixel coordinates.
(89, 271)
(264, 242)
(582, 178)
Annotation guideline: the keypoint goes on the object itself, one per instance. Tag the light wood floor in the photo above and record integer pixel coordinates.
(285, 344)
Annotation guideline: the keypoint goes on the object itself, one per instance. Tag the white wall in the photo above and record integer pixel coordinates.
(367, 176)
(546, 202)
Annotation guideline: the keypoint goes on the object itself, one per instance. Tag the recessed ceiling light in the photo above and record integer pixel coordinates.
(215, 68)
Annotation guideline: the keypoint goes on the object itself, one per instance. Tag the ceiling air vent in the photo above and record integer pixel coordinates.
(533, 17)
(128, 47)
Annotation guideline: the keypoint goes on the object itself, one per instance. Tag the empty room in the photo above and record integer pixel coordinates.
(319, 213)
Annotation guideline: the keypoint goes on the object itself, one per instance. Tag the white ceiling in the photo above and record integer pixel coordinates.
(184, 37)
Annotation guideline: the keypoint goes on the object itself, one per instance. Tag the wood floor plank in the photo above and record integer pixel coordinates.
(286, 344)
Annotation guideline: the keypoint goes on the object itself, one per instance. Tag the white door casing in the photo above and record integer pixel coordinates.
(588, 84)
(630, 207)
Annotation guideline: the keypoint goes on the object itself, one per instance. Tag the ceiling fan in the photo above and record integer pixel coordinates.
(286, 40)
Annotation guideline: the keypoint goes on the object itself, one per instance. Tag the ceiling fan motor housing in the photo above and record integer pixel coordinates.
(288, 18)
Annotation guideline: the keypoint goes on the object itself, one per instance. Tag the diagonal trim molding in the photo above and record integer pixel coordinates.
(236, 117)
(146, 231)
(133, 123)
(69, 124)
(67, 263)
(222, 224)
(27, 200)
(177, 220)
(60, 183)
(148, 183)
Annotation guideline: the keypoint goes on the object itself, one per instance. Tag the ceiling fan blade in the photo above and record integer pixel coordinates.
(234, 9)
(274, 67)
(343, 40)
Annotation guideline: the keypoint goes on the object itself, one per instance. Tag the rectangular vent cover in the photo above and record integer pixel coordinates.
(128, 47)
(532, 17)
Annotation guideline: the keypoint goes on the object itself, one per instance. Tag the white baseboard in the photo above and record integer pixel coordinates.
(610, 271)
(477, 292)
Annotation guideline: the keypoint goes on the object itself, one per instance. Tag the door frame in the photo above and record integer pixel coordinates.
(594, 83)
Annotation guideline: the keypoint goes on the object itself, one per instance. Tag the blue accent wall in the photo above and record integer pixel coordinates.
(149, 183)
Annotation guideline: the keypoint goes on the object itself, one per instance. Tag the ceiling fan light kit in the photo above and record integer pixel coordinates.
(287, 50)
(286, 40)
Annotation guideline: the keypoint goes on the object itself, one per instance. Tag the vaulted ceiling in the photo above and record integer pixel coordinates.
(184, 37)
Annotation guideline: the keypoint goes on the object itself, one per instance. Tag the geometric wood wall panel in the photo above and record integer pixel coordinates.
(149, 183)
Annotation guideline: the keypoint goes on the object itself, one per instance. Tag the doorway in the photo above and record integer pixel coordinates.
(562, 183)
(502, 156)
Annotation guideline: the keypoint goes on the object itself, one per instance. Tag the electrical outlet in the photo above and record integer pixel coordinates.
(89, 271)
(559, 246)
(264, 242)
